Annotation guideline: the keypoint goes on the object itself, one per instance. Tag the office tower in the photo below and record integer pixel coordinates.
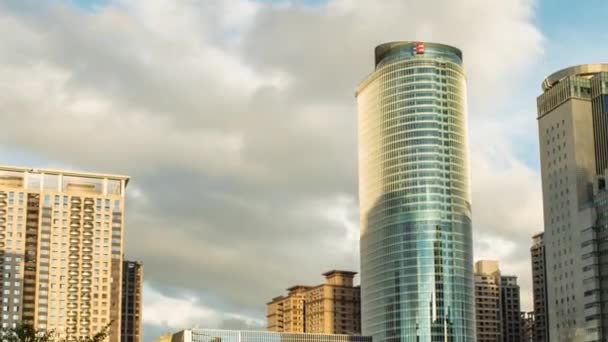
(132, 301)
(594, 253)
(61, 245)
(527, 326)
(599, 104)
(571, 123)
(415, 201)
(510, 309)
(215, 335)
(330, 308)
(539, 289)
(487, 301)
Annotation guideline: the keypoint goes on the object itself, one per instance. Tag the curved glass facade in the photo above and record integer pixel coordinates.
(414, 189)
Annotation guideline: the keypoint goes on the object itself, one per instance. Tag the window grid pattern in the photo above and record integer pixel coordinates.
(599, 88)
(567, 116)
(416, 253)
(214, 335)
(61, 240)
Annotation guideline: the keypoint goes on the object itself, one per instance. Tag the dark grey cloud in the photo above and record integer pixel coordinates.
(237, 123)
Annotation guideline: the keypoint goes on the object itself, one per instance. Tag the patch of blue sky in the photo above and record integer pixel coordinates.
(17, 157)
(573, 35)
(90, 5)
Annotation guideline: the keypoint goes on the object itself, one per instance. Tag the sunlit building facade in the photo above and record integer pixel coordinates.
(573, 135)
(61, 250)
(488, 301)
(415, 199)
(333, 307)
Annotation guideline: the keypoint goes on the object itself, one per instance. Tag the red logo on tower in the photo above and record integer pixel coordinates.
(418, 48)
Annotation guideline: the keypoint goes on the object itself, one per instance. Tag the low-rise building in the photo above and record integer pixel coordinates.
(333, 307)
(215, 335)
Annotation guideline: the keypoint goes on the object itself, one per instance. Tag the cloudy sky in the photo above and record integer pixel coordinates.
(236, 120)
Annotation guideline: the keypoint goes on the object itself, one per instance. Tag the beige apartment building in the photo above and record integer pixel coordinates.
(487, 301)
(61, 247)
(333, 307)
(286, 314)
(497, 304)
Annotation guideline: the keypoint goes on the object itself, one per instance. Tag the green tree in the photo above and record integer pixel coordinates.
(27, 333)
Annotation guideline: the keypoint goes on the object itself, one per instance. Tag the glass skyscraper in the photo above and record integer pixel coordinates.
(416, 244)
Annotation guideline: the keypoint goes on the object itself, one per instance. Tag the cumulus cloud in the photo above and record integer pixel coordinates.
(237, 122)
(191, 312)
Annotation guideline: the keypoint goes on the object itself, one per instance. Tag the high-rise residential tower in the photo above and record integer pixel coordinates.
(527, 326)
(61, 250)
(132, 301)
(415, 201)
(497, 304)
(487, 301)
(539, 289)
(510, 309)
(333, 307)
(572, 124)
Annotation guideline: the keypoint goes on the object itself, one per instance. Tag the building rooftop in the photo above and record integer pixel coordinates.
(583, 70)
(383, 49)
(538, 235)
(62, 172)
(275, 333)
(332, 272)
(298, 287)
